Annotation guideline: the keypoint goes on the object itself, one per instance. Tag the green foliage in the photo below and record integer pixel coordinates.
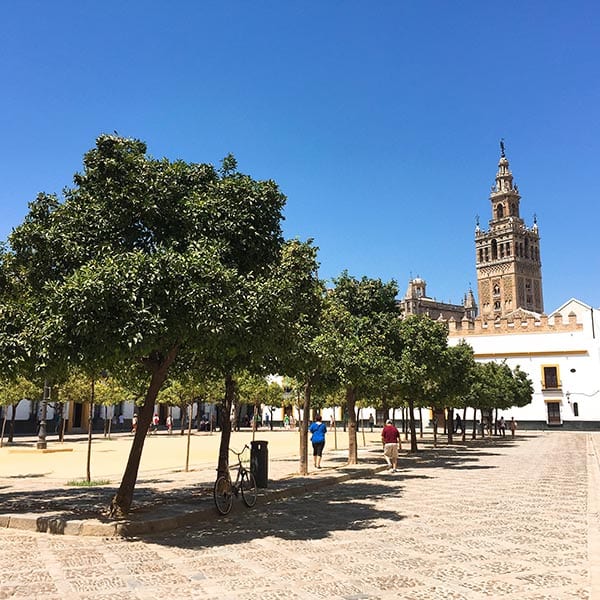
(457, 376)
(496, 385)
(358, 331)
(15, 390)
(420, 363)
(86, 483)
(143, 260)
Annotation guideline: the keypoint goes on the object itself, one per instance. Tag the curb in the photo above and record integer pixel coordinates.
(61, 524)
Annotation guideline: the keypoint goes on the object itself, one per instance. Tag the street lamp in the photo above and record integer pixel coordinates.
(41, 443)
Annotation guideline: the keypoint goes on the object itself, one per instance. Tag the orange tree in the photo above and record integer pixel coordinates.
(141, 262)
(358, 340)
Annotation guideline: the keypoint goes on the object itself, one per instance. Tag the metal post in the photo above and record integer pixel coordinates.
(41, 443)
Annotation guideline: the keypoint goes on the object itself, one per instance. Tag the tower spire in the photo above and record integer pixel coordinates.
(509, 275)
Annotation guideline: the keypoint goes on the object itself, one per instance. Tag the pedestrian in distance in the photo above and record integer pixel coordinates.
(458, 424)
(318, 429)
(134, 422)
(513, 426)
(155, 423)
(169, 424)
(371, 422)
(390, 438)
(502, 426)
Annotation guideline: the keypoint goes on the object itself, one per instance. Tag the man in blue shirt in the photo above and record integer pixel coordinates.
(318, 430)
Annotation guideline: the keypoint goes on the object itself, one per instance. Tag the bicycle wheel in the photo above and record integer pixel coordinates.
(248, 487)
(222, 494)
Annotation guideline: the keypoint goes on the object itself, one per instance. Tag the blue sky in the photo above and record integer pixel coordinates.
(380, 121)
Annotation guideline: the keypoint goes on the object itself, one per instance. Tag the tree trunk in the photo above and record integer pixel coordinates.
(385, 409)
(474, 434)
(223, 464)
(450, 424)
(351, 413)
(90, 425)
(303, 468)
(63, 422)
(121, 503)
(420, 422)
(334, 430)
(464, 424)
(3, 428)
(362, 422)
(189, 437)
(411, 423)
(11, 429)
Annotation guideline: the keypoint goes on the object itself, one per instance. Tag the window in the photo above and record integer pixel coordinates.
(550, 379)
(575, 409)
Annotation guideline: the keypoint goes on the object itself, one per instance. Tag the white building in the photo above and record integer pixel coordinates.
(560, 354)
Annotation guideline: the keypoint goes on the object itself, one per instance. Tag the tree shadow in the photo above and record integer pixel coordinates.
(313, 516)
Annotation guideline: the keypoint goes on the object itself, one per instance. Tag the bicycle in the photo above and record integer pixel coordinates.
(244, 483)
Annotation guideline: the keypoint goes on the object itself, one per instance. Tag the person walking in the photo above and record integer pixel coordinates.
(458, 425)
(390, 437)
(502, 425)
(318, 429)
(513, 426)
(169, 424)
(155, 423)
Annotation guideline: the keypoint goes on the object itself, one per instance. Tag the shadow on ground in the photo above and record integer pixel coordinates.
(153, 500)
(314, 516)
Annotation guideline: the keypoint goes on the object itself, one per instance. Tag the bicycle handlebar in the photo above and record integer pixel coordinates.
(239, 454)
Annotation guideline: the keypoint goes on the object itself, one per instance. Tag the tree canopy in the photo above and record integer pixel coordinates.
(142, 261)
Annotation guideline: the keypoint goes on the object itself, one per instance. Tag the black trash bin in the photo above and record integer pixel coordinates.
(259, 462)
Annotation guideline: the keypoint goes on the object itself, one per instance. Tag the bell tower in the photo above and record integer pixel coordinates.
(507, 255)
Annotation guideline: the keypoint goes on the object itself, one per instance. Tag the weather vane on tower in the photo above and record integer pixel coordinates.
(502, 148)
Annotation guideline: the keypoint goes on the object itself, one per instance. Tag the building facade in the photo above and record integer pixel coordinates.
(560, 352)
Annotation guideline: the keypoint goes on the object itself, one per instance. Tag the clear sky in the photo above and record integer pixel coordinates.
(380, 121)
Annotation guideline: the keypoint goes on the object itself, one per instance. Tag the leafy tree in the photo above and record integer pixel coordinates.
(420, 363)
(497, 386)
(11, 393)
(357, 339)
(301, 304)
(143, 260)
(458, 366)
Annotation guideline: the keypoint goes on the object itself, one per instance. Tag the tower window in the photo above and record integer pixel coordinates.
(497, 305)
(499, 211)
(494, 249)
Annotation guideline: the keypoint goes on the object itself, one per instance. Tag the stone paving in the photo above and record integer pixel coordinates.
(502, 519)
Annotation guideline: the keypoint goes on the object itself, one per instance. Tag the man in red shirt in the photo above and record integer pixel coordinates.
(390, 437)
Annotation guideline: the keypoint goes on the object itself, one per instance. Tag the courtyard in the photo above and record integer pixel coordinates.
(495, 519)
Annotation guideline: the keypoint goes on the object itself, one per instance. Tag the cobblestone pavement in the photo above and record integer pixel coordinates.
(511, 519)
